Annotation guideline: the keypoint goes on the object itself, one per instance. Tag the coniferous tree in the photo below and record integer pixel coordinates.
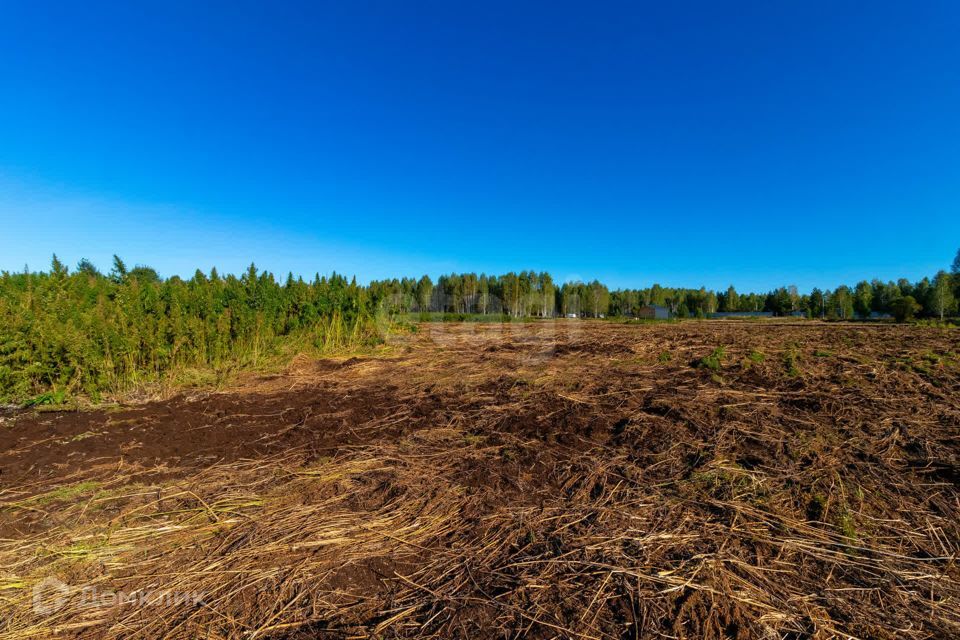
(904, 308)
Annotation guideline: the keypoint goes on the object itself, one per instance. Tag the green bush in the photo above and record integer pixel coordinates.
(713, 362)
(905, 308)
(791, 360)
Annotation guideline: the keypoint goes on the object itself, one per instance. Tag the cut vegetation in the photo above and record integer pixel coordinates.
(532, 480)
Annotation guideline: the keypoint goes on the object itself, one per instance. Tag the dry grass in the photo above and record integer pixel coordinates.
(546, 481)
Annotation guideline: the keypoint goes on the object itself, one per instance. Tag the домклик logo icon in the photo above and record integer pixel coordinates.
(49, 595)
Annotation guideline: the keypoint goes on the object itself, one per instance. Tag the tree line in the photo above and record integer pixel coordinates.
(533, 294)
(83, 330)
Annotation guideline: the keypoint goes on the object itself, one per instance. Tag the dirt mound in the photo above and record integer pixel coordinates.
(800, 482)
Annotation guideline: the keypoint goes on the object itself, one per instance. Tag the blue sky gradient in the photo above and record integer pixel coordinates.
(694, 143)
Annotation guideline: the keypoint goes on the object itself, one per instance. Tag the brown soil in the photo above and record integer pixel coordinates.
(544, 480)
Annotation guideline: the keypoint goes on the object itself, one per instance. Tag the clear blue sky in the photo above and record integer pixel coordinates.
(690, 143)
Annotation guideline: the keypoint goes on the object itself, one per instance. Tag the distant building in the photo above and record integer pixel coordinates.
(876, 315)
(653, 312)
(741, 314)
